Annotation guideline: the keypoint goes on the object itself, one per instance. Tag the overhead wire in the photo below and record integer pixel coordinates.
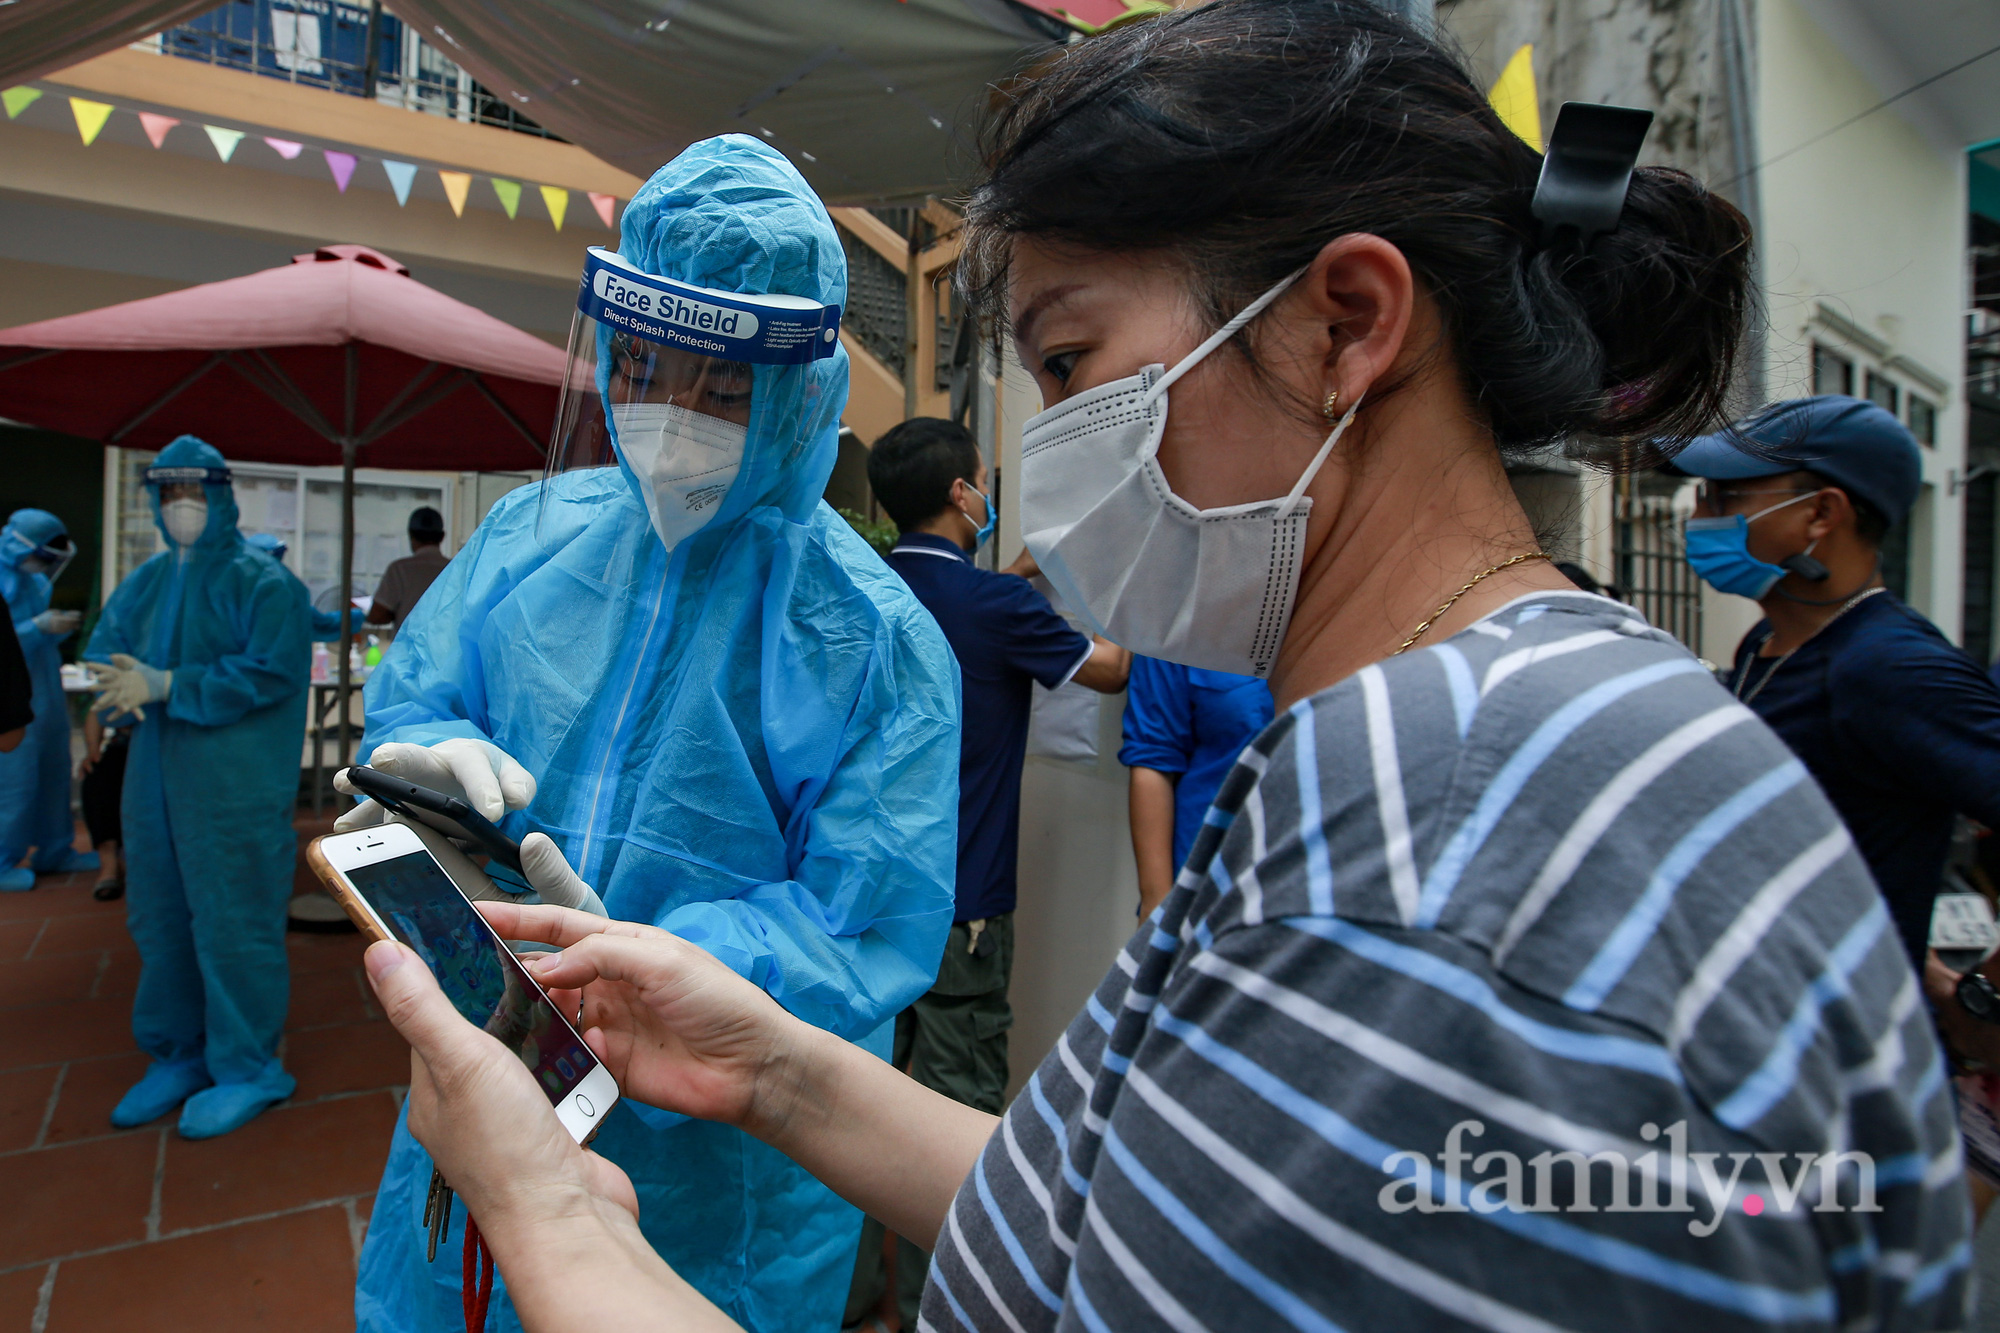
(1863, 115)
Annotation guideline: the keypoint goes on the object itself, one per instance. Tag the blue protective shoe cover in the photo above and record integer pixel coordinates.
(215, 1111)
(67, 862)
(166, 1085)
(18, 880)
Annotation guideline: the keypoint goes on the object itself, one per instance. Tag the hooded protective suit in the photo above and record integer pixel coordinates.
(751, 741)
(325, 624)
(210, 787)
(34, 779)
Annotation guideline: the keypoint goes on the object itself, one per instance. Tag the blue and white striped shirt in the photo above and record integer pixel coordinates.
(1523, 983)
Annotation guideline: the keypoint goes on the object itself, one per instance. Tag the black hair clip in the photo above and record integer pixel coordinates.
(1587, 169)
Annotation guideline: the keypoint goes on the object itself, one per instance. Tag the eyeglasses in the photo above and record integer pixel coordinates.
(650, 368)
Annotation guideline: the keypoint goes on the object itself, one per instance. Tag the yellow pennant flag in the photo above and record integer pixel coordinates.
(456, 183)
(557, 200)
(509, 192)
(90, 117)
(1514, 99)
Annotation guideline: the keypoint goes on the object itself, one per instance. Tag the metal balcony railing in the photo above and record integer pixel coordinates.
(361, 50)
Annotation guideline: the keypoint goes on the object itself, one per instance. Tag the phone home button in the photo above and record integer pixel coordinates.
(583, 1105)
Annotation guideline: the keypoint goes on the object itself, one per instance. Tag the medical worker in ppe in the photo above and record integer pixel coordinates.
(325, 624)
(34, 778)
(733, 717)
(207, 648)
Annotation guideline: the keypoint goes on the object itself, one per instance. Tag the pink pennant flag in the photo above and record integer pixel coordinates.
(285, 148)
(604, 204)
(342, 167)
(157, 126)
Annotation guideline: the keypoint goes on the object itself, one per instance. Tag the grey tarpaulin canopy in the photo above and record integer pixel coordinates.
(871, 99)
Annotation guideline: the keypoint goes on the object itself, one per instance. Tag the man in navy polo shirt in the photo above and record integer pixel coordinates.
(928, 475)
(1900, 728)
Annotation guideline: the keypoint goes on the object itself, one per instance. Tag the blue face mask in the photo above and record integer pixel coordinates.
(1719, 551)
(992, 518)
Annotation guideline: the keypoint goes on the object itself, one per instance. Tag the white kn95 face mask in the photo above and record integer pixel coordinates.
(1206, 588)
(185, 520)
(684, 460)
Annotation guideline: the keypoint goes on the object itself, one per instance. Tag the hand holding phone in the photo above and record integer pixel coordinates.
(679, 1028)
(475, 1109)
(394, 889)
(437, 810)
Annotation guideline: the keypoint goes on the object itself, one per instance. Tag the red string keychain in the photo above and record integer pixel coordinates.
(475, 1296)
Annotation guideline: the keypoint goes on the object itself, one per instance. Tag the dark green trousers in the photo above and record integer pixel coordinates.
(953, 1040)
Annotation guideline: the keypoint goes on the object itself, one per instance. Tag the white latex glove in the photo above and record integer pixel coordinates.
(480, 773)
(128, 684)
(556, 884)
(58, 624)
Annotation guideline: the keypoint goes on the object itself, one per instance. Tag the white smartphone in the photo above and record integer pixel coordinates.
(393, 888)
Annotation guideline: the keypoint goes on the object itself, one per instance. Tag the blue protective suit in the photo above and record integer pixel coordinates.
(34, 779)
(751, 741)
(325, 624)
(211, 781)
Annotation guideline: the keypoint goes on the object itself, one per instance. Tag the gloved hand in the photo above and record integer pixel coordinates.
(128, 684)
(480, 773)
(58, 624)
(550, 874)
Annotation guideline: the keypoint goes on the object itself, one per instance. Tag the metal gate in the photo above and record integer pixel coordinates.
(1649, 555)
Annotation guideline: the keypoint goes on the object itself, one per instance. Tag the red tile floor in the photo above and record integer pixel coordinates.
(141, 1228)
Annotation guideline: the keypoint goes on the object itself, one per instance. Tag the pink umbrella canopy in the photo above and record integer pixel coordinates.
(341, 347)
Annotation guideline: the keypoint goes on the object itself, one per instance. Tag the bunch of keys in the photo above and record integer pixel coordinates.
(437, 1214)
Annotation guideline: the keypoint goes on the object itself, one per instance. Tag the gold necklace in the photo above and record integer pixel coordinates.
(1452, 600)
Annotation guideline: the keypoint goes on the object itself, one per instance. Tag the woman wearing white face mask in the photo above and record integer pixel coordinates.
(1510, 881)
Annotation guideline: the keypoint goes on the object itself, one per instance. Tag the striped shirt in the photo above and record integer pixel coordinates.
(1493, 972)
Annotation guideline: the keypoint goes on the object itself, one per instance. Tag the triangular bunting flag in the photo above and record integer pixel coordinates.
(225, 141)
(342, 167)
(1514, 99)
(604, 204)
(90, 117)
(456, 183)
(401, 174)
(509, 192)
(285, 148)
(17, 100)
(157, 126)
(557, 200)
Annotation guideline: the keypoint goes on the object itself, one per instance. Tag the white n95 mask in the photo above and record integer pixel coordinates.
(185, 520)
(1202, 587)
(684, 460)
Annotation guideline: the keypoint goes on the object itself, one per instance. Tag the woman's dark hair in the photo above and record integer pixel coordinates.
(1243, 135)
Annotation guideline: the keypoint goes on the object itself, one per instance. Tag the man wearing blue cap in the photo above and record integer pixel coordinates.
(1899, 727)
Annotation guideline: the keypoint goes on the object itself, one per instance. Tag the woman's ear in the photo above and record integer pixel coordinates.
(1361, 294)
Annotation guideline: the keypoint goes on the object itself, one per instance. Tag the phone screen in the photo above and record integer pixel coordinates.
(483, 979)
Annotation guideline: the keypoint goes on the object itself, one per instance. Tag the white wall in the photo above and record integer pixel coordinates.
(1864, 249)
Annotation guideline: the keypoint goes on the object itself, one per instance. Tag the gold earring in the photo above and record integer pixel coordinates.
(1332, 400)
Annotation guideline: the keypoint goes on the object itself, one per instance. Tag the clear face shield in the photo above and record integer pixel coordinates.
(183, 497)
(51, 558)
(662, 376)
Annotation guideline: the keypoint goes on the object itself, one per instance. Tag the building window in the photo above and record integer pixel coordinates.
(1883, 392)
(1923, 420)
(1832, 372)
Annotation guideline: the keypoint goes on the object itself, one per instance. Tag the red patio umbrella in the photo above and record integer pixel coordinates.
(338, 353)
